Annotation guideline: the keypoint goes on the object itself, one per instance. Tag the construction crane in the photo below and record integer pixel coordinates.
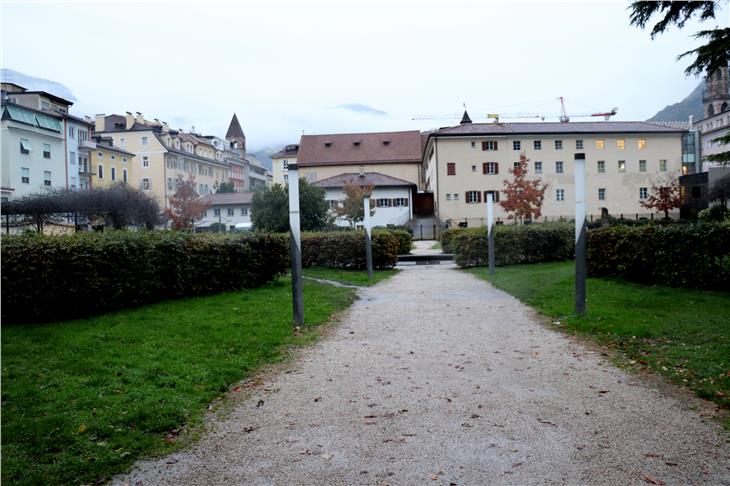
(562, 116)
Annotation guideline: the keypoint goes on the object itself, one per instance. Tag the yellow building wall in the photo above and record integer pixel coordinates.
(407, 172)
(109, 159)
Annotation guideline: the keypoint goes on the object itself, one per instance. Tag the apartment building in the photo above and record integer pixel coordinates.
(231, 211)
(109, 165)
(280, 163)
(161, 154)
(74, 131)
(465, 163)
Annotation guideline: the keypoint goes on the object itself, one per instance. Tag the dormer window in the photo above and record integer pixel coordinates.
(386, 142)
(356, 143)
(328, 144)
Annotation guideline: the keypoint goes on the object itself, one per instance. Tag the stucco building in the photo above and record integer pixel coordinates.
(464, 163)
(280, 163)
(109, 164)
(231, 210)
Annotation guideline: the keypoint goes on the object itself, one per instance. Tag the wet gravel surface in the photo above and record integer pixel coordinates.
(435, 377)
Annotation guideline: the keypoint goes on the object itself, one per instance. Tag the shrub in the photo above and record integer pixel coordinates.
(715, 213)
(687, 255)
(58, 277)
(543, 242)
(346, 249)
(404, 239)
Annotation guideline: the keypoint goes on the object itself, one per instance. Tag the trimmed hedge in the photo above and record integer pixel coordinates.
(687, 255)
(58, 277)
(405, 241)
(346, 249)
(534, 243)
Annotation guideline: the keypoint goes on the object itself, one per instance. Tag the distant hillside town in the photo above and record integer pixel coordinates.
(441, 177)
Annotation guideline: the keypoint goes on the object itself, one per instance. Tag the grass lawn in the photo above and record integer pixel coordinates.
(683, 334)
(353, 277)
(436, 246)
(82, 399)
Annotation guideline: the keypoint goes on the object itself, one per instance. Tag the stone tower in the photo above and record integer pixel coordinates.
(235, 135)
(716, 96)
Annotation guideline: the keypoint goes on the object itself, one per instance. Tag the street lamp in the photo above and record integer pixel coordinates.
(296, 246)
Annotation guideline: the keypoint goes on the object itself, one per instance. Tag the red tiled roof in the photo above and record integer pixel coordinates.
(360, 148)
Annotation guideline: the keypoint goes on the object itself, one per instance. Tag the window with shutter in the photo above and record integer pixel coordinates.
(451, 168)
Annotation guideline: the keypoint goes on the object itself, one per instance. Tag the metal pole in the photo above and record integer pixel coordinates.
(490, 231)
(580, 233)
(296, 246)
(7, 224)
(368, 240)
(220, 223)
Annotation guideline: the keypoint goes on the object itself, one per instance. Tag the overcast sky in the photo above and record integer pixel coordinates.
(293, 67)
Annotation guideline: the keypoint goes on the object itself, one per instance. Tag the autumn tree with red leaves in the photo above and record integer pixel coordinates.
(665, 195)
(185, 205)
(522, 197)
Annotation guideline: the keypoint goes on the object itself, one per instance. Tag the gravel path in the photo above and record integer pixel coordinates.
(434, 377)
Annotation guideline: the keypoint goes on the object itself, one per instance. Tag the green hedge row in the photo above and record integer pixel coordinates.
(687, 255)
(58, 277)
(513, 244)
(346, 249)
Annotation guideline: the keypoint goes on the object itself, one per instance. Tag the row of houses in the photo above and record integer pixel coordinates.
(45, 147)
(447, 174)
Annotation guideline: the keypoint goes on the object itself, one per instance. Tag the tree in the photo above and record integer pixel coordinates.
(225, 187)
(270, 208)
(720, 191)
(352, 208)
(185, 205)
(709, 57)
(665, 195)
(522, 197)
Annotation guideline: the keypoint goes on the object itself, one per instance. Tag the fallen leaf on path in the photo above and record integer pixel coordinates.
(434, 477)
(517, 464)
(237, 389)
(327, 456)
(651, 454)
(547, 422)
(248, 429)
(653, 480)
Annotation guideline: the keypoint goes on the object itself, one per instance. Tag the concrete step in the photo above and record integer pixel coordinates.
(435, 257)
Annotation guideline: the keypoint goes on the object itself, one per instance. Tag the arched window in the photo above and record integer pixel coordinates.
(710, 110)
(724, 107)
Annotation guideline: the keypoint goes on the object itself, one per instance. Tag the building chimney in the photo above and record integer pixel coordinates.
(140, 118)
(129, 121)
(99, 123)
(165, 127)
(691, 121)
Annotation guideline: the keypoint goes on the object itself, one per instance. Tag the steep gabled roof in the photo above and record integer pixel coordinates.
(359, 148)
(234, 129)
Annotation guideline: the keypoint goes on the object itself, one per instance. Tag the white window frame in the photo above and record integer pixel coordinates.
(145, 161)
(516, 145)
(558, 145)
(642, 165)
(560, 194)
(25, 170)
(622, 166)
(537, 144)
(559, 167)
(538, 167)
(579, 144)
(643, 193)
(601, 193)
(601, 166)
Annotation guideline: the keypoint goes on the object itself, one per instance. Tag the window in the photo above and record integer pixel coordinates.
(231, 212)
(537, 144)
(516, 145)
(113, 157)
(558, 145)
(602, 194)
(451, 168)
(601, 166)
(45, 105)
(124, 175)
(538, 167)
(25, 175)
(100, 172)
(72, 158)
(122, 142)
(622, 166)
(490, 168)
(620, 144)
(169, 182)
(46, 150)
(456, 197)
(383, 203)
(473, 168)
(286, 165)
(113, 173)
(473, 145)
(145, 161)
(641, 143)
(600, 144)
(560, 194)
(286, 177)
(448, 197)
(47, 178)
(490, 145)
(400, 202)
(559, 167)
(473, 197)
(642, 166)
(244, 211)
(144, 140)
(100, 155)
(663, 165)
(495, 195)
(216, 212)
(71, 132)
(579, 144)
(643, 193)
(146, 184)
(124, 159)
(515, 164)
(24, 146)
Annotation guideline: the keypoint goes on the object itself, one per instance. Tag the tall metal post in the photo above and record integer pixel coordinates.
(296, 246)
(368, 237)
(580, 233)
(490, 231)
